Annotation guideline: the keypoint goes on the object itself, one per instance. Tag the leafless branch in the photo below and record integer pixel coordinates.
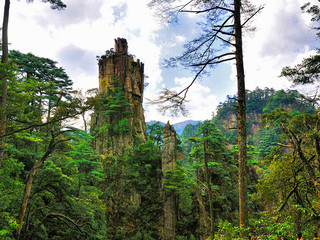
(197, 179)
(212, 61)
(255, 13)
(226, 26)
(181, 7)
(284, 145)
(289, 195)
(226, 41)
(208, 10)
(224, 33)
(170, 96)
(185, 90)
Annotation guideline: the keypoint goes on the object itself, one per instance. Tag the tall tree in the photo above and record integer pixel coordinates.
(49, 81)
(4, 61)
(39, 87)
(55, 4)
(214, 169)
(222, 28)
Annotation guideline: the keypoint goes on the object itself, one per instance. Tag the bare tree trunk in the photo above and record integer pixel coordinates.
(84, 121)
(209, 188)
(4, 71)
(28, 186)
(203, 218)
(26, 196)
(242, 132)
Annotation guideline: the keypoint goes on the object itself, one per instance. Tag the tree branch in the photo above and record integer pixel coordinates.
(208, 10)
(222, 32)
(197, 179)
(304, 160)
(210, 61)
(289, 195)
(212, 39)
(260, 8)
(226, 41)
(194, 79)
(183, 90)
(39, 125)
(284, 145)
(60, 215)
(183, 6)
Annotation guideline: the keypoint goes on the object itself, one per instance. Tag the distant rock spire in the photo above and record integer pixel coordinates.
(120, 70)
(121, 46)
(169, 158)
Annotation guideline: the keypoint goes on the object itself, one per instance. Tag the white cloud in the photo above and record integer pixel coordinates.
(283, 37)
(180, 38)
(200, 102)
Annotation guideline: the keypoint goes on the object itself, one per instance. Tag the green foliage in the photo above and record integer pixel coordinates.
(84, 158)
(259, 102)
(64, 192)
(63, 202)
(132, 65)
(265, 139)
(178, 181)
(11, 187)
(265, 228)
(288, 180)
(110, 52)
(270, 227)
(122, 126)
(56, 196)
(304, 73)
(188, 132)
(258, 99)
(144, 164)
(56, 4)
(131, 187)
(228, 232)
(113, 103)
(52, 80)
(154, 132)
(222, 171)
(290, 99)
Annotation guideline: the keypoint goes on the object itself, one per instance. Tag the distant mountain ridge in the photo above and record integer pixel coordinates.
(177, 126)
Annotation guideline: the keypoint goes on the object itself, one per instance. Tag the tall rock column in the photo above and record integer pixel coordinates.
(121, 124)
(169, 157)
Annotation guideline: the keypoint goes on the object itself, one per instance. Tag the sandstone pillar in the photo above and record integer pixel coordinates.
(119, 69)
(169, 156)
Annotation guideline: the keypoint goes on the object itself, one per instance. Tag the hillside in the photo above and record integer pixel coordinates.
(259, 102)
(177, 126)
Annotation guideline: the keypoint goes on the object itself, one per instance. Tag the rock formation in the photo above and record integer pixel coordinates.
(169, 157)
(119, 124)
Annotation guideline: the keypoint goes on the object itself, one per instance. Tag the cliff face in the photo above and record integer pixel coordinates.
(119, 124)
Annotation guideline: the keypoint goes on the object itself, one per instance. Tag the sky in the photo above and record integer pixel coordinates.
(85, 29)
